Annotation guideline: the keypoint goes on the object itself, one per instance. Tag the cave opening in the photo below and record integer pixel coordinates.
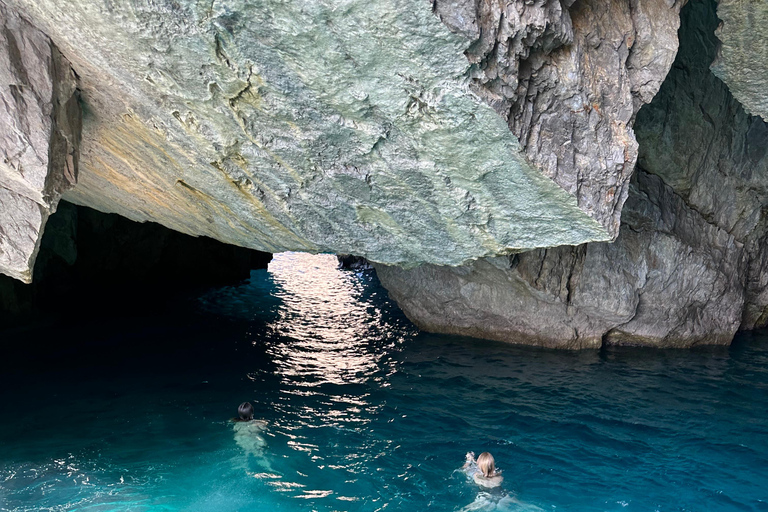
(107, 288)
(91, 264)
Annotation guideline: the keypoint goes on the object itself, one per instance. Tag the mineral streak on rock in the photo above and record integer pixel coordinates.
(569, 78)
(689, 265)
(39, 138)
(742, 61)
(316, 125)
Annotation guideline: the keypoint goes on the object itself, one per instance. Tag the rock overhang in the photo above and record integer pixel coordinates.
(323, 126)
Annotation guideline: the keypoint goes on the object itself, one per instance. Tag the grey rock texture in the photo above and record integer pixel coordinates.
(670, 279)
(742, 61)
(700, 141)
(689, 264)
(569, 78)
(302, 125)
(39, 138)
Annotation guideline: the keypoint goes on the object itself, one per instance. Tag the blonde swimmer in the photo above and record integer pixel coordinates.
(483, 470)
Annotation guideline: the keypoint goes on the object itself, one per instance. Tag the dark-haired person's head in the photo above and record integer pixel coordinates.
(245, 411)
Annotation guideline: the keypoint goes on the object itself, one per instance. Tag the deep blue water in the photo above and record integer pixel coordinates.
(130, 411)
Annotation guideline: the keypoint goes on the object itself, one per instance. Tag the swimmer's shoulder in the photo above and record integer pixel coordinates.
(251, 425)
(470, 469)
(489, 482)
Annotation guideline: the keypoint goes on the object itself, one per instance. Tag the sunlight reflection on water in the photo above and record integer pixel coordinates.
(325, 320)
(329, 340)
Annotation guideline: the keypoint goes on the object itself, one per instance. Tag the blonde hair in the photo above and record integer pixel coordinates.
(486, 464)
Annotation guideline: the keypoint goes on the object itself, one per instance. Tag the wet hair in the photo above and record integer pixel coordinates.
(245, 411)
(486, 464)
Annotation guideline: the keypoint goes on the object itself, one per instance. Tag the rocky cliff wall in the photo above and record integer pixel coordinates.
(569, 78)
(39, 138)
(689, 264)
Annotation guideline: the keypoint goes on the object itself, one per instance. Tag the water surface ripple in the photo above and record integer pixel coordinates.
(364, 413)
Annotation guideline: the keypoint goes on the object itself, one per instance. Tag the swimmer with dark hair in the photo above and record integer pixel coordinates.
(248, 431)
(244, 412)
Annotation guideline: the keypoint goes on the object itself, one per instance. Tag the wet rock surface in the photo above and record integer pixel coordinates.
(39, 138)
(688, 265)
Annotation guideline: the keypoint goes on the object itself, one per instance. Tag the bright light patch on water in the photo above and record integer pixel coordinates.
(326, 321)
(363, 413)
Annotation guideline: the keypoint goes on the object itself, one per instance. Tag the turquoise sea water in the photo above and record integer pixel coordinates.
(130, 412)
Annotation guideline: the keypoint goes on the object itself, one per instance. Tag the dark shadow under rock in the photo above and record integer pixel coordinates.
(91, 261)
(351, 262)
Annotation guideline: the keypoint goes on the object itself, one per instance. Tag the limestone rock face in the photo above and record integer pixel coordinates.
(659, 284)
(742, 61)
(689, 265)
(569, 77)
(39, 138)
(319, 125)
